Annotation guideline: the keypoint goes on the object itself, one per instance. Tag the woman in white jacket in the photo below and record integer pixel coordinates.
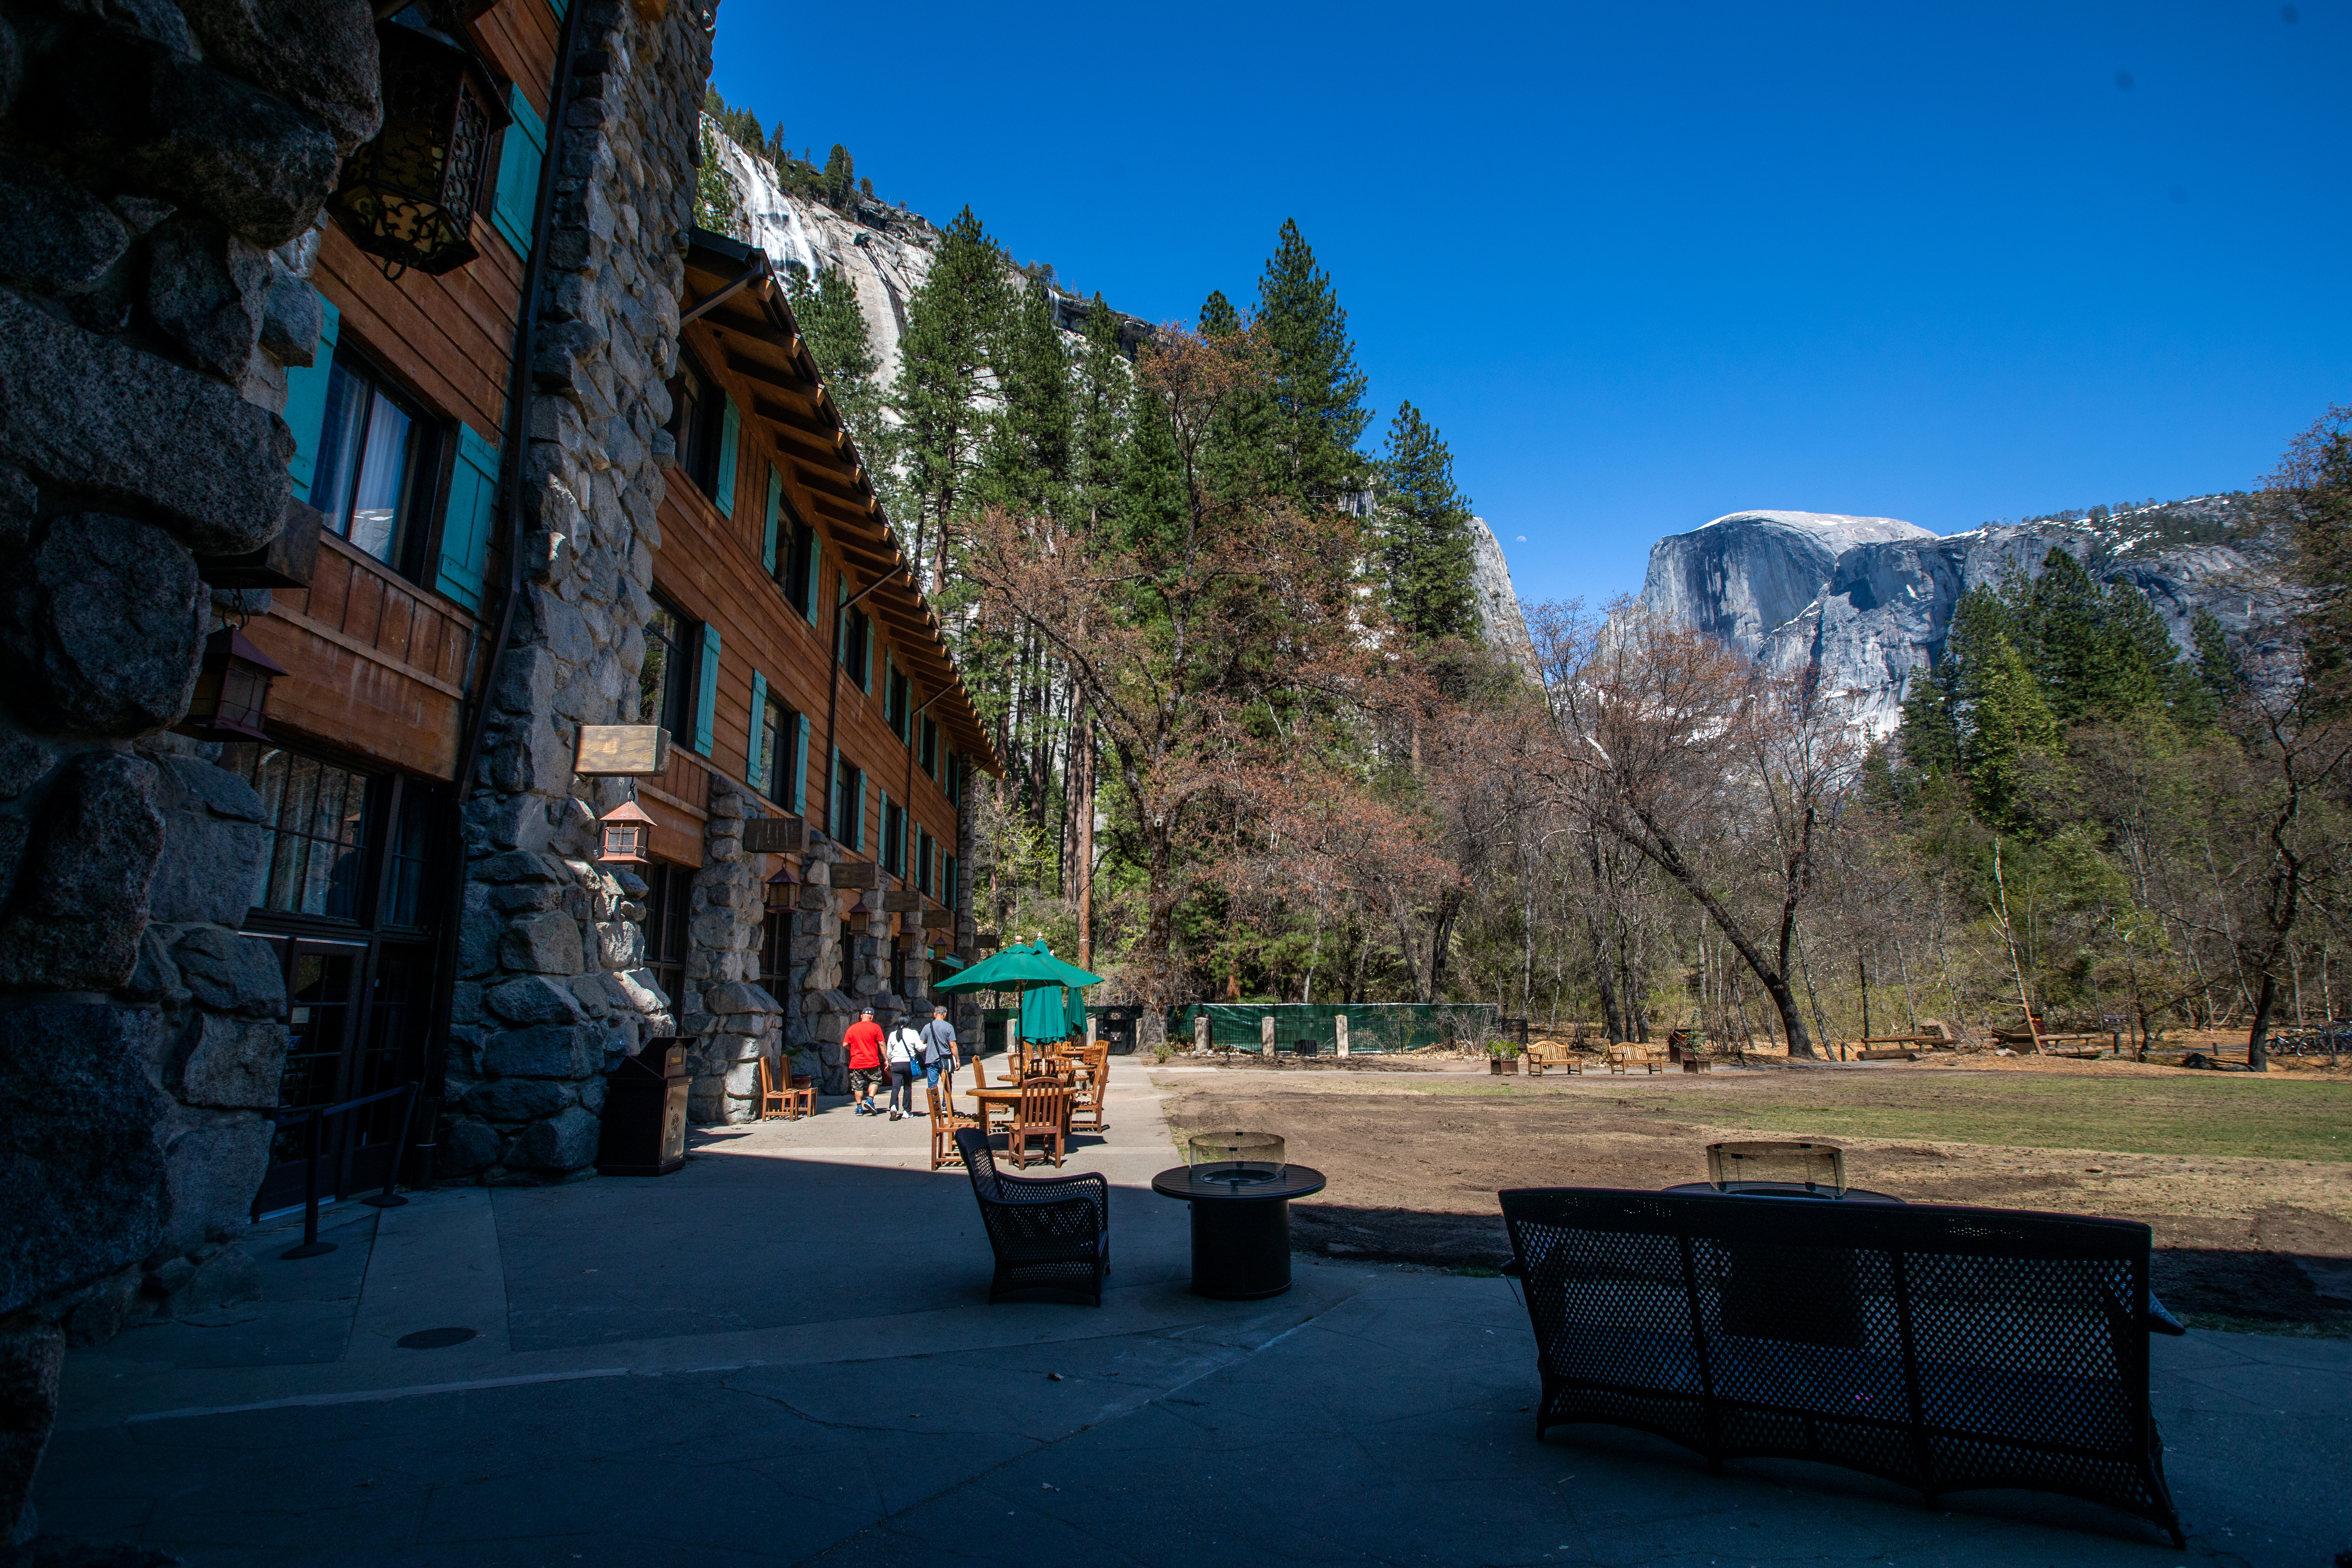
(900, 1052)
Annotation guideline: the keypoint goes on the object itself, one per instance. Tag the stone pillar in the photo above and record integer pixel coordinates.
(162, 175)
(732, 1019)
(554, 991)
(826, 1011)
(1340, 1027)
(1265, 1035)
(1200, 1033)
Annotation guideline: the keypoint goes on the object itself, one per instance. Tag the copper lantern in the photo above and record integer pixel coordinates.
(408, 196)
(232, 695)
(783, 890)
(627, 833)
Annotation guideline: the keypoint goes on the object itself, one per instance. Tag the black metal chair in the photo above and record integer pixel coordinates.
(1049, 1233)
(1946, 1348)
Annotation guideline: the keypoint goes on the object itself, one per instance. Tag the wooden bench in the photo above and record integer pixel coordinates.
(1546, 1056)
(1626, 1058)
(1941, 1348)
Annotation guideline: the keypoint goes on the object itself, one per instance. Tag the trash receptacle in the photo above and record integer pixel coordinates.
(645, 1112)
(1115, 1027)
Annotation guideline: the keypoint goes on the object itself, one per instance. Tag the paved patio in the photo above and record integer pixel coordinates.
(782, 1353)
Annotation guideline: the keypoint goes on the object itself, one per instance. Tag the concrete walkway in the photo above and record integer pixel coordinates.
(781, 1353)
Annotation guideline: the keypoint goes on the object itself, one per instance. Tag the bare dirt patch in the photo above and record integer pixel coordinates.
(2247, 1181)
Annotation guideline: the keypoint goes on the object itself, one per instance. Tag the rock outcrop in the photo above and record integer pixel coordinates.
(1499, 621)
(1867, 600)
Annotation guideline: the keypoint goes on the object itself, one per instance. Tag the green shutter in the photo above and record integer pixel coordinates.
(800, 771)
(775, 510)
(882, 848)
(729, 428)
(755, 769)
(833, 801)
(706, 693)
(525, 149)
(866, 662)
(889, 695)
(466, 526)
(306, 399)
(857, 813)
(816, 559)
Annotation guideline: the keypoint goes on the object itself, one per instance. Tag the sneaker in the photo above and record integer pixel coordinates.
(898, 1116)
(860, 1108)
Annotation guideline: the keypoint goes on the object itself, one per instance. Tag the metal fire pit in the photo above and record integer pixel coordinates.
(1262, 1150)
(1794, 1170)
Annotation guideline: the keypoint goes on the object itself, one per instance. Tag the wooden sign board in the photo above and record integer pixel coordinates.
(857, 874)
(622, 751)
(771, 835)
(904, 903)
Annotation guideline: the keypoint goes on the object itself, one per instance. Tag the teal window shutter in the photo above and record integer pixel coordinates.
(775, 512)
(857, 814)
(816, 559)
(706, 694)
(836, 798)
(800, 771)
(525, 149)
(882, 848)
(866, 666)
(755, 769)
(729, 428)
(306, 400)
(889, 710)
(466, 526)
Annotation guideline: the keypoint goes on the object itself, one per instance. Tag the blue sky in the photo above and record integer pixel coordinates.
(1647, 264)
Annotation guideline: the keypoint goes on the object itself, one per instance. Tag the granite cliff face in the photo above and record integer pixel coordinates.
(1870, 599)
(1499, 621)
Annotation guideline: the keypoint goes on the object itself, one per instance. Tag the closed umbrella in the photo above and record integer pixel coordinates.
(1031, 969)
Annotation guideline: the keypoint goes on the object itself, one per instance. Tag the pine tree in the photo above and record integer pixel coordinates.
(952, 320)
(1318, 392)
(1425, 528)
(1104, 383)
(2147, 678)
(2010, 729)
(1025, 464)
(835, 327)
(1218, 317)
(2061, 636)
(840, 178)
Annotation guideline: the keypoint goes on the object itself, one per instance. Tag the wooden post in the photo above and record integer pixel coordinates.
(1265, 1035)
(1340, 1027)
(1200, 1033)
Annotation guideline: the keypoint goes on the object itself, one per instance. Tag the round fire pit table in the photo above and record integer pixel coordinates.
(1241, 1222)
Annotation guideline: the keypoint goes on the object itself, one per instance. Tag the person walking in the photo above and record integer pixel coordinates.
(861, 1043)
(940, 1057)
(904, 1049)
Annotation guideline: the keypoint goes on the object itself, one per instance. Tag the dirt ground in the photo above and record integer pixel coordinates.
(1415, 1153)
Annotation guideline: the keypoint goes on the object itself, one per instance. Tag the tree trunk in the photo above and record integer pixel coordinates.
(2258, 1039)
(1084, 742)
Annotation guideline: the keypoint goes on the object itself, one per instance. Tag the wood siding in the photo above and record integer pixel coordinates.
(374, 663)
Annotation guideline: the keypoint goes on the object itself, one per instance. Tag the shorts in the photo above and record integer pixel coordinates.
(863, 1081)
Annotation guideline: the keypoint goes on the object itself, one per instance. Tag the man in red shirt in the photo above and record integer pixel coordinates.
(863, 1041)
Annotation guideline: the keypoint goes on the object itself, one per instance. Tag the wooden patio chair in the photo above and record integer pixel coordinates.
(945, 1121)
(1086, 1097)
(775, 1092)
(1044, 1111)
(802, 1095)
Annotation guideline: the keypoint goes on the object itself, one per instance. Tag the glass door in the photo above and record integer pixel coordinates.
(322, 995)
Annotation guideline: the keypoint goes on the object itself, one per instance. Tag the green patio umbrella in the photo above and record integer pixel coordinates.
(1042, 980)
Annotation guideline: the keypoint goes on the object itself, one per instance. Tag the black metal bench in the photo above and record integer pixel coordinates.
(1946, 1348)
(1048, 1233)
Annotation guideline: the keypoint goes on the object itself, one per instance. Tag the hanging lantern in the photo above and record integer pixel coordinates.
(232, 695)
(783, 890)
(627, 832)
(408, 196)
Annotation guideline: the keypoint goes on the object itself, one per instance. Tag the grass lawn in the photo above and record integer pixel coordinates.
(2225, 1115)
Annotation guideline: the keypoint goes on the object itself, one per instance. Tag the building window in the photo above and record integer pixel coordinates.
(796, 561)
(666, 680)
(849, 804)
(951, 885)
(893, 837)
(376, 467)
(776, 954)
(929, 752)
(317, 815)
(857, 647)
(923, 847)
(897, 697)
(698, 417)
(403, 871)
(953, 782)
(780, 737)
(669, 898)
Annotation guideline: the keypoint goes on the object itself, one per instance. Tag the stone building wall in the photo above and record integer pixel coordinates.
(160, 168)
(552, 989)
